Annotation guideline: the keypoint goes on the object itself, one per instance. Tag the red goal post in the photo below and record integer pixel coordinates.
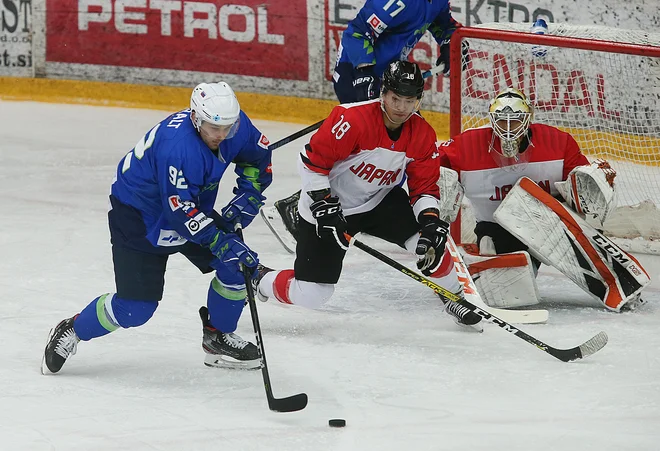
(600, 84)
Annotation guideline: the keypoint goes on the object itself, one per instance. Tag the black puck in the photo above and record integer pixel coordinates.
(337, 423)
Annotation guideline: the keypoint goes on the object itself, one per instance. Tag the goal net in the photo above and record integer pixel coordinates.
(600, 84)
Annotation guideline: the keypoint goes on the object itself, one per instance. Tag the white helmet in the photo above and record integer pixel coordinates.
(216, 104)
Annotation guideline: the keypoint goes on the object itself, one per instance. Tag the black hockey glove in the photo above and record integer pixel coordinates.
(330, 221)
(366, 84)
(443, 59)
(432, 241)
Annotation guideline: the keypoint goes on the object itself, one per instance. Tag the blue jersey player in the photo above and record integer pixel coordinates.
(385, 31)
(161, 203)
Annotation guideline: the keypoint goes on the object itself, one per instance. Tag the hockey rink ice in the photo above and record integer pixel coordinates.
(381, 354)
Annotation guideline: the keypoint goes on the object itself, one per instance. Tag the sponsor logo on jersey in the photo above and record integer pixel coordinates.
(371, 173)
(197, 223)
(263, 142)
(168, 238)
(174, 202)
(378, 25)
(501, 191)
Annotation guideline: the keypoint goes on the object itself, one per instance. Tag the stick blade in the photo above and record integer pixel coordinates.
(290, 404)
(589, 347)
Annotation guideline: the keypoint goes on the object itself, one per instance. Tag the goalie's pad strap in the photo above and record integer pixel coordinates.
(615, 285)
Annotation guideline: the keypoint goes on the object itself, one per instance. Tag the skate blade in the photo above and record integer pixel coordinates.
(224, 361)
(273, 220)
(476, 328)
(44, 368)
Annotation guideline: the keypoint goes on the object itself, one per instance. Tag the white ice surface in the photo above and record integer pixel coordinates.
(381, 354)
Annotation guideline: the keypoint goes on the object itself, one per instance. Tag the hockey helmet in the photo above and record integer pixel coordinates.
(215, 104)
(404, 78)
(510, 115)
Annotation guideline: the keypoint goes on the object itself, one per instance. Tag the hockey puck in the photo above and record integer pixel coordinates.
(337, 423)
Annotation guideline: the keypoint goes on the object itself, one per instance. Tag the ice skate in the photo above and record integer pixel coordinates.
(288, 210)
(227, 350)
(62, 343)
(463, 316)
(261, 272)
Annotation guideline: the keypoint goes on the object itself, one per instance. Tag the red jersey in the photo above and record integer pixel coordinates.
(553, 154)
(353, 155)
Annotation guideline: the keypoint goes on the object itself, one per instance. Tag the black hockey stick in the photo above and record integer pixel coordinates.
(286, 140)
(290, 403)
(587, 348)
(296, 135)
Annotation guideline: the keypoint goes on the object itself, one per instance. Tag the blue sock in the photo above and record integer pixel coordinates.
(108, 313)
(225, 303)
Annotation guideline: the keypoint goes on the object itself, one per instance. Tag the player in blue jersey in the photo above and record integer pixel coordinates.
(383, 31)
(162, 202)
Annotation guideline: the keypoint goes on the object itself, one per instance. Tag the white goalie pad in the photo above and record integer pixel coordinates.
(505, 280)
(589, 191)
(472, 294)
(451, 194)
(565, 241)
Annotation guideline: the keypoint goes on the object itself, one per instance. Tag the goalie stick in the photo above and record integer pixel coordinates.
(586, 349)
(290, 403)
(300, 133)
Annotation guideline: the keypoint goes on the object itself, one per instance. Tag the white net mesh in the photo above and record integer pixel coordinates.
(608, 101)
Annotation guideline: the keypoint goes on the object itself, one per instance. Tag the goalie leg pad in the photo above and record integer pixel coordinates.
(505, 280)
(561, 239)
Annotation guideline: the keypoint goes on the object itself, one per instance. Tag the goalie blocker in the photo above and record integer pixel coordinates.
(560, 238)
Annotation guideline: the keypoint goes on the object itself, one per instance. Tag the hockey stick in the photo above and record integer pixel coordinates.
(586, 349)
(291, 403)
(286, 140)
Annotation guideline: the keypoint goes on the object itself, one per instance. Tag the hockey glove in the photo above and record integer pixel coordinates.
(366, 84)
(443, 59)
(432, 241)
(330, 221)
(231, 252)
(243, 207)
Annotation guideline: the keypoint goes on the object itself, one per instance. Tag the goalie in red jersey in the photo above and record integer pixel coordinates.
(352, 171)
(512, 172)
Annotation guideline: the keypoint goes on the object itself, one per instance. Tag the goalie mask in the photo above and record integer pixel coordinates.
(216, 112)
(510, 115)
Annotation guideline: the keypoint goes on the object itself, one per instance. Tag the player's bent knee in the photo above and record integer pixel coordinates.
(310, 294)
(131, 313)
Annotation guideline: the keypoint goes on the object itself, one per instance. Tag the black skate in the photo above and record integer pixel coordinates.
(227, 350)
(462, 315)
(261, 272)
(288, 210)
(62, 343)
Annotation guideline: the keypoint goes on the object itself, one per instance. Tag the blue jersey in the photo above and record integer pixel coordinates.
(387, 30)
(171, 179)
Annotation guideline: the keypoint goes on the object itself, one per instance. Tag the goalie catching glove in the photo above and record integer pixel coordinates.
(432, 241)
(330, 221)
(589, 191)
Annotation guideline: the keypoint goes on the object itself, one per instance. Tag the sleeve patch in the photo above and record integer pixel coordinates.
(198, 223)
(174, 202)
(376, 24)
(263, 142)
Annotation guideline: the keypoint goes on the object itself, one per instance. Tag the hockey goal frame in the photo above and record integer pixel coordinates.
(456, 78)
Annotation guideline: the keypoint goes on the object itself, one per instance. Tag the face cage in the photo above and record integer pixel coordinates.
(516, 163)
(510, 140)
(199, 122)
(416, 107)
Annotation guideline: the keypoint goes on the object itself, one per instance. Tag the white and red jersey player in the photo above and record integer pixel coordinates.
(355, 155)
(551, 155)
(352, 171)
